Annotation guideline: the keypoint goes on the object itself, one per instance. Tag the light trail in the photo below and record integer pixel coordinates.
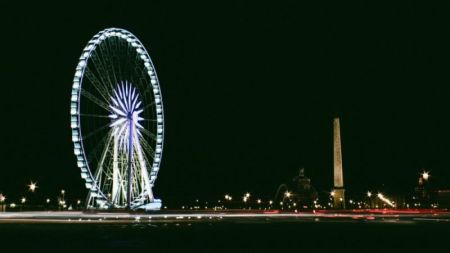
(80, 217)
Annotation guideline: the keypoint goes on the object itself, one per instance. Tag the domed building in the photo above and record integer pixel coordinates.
(298, 193)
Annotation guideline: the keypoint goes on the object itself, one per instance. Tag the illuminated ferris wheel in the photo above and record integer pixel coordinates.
(117, 121)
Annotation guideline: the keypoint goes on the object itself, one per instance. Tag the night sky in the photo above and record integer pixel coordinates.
(249, 90)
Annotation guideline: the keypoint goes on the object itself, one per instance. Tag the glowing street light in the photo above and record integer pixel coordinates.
(247, 195)
(385, 200)
(32, 186)
(426, 175)
(259, 201)
(47, 200)
(369, 194)
(23, 200)
(63, 192)
(270, 202)
(287, 194)
(2, 198)
(332, 193)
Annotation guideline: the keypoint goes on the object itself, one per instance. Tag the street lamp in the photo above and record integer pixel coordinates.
(426, 175)
(2, 201)
(22, 201)
(369, 200)
(32, 186)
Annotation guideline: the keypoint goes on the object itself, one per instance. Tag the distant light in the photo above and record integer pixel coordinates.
(259, 201)
(332, 193)
(247, 195)
(23, 200)
(287, 194)
(78, 202)
(32, 186)
(13, 205)
(369, 194)
(63, 192)
(426, 175)
(270, 202)
(386, 200)
(2, 198)
(47, 200)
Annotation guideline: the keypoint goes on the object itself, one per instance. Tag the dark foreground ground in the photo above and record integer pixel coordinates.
(240, 234)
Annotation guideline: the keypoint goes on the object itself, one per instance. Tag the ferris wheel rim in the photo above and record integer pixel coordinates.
(79, 148)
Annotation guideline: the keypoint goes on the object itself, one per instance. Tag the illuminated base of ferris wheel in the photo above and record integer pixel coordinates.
(94, 203)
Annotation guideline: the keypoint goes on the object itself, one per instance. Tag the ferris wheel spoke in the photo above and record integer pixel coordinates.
(148, 134)
(94, 132)
(149, 120)
(105, 55)
(93, 115)
(98, 172)
(101, 67)
(149, 105)
(97, 82)
(146, 146)
(94, 99)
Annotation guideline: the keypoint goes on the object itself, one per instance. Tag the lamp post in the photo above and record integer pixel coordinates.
(22, 202)
(369, 200)
(62, 201)
(32, 186)
(2, 201)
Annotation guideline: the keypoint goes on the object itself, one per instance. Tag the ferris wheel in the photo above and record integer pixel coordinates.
(117, 121)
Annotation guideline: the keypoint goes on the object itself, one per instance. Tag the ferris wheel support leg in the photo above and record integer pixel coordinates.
(115, 183)
(144, 173)
(130, 156)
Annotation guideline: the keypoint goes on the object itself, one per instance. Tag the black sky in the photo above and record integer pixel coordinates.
(249, 90)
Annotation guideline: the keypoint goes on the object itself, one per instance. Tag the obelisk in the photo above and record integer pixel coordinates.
(339, 191)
